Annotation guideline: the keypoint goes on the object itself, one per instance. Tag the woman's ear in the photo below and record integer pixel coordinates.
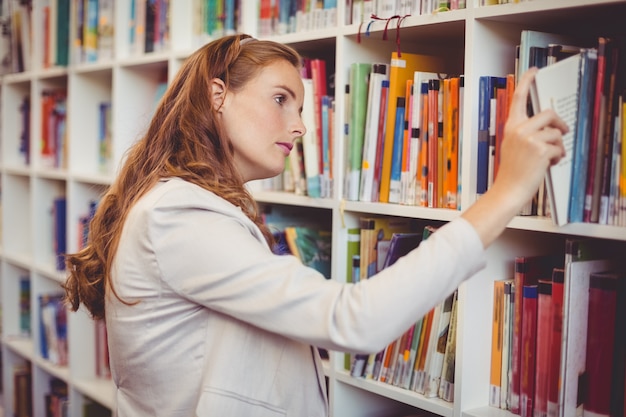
(218, 93)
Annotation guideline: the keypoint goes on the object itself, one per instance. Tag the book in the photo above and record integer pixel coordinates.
(529, 349)
(59, 232)
(382, 126)
(434, 144)
(401, 243)
(606, 151)
(582, 257)
(556, 86)
(446, 386)
(544, 341)
(530, 39)
(528, 271)
(497, 328)
(600, 342)
(485, 92)
(396, 159)
(309, 142)
(588, 67)
(418, 129)
(556, 325)
(375, 105)
(376, 233)
(618, 378)
(433, 375)
(507, 326)
(359, 90)
(430, 346)
(311, 245)
(594, 162)
(402, 67)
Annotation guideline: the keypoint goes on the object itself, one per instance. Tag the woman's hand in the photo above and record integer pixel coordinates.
(529, 147)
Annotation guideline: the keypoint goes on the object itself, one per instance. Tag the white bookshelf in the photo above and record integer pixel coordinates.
(477, 41)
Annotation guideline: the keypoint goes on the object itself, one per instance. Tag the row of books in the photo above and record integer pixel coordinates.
(586, 87)
(22, 392)
(308, 240)
(583, 81)
(16, 36)
(55, 400)
(422, 358)
(358, 11)
(279, 17)
(403, 135)
(559, 335)
(53, 151)
(308, 169)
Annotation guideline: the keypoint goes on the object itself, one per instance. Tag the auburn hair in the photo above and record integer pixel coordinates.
(183, 140)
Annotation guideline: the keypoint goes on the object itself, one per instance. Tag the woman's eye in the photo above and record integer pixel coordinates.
(280, 99)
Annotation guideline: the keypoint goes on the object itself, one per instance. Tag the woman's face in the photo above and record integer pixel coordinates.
(263, 120)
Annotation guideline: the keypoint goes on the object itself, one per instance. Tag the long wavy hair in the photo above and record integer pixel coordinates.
(184, 139)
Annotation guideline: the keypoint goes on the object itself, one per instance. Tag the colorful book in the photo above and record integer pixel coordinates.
(529, 346)
(582, 257)
(402, 67)
(396, 159)
(309, 142)
(379, 74)
(446, 386)
(588, 67)
(359, 90)
(556, 325)
(544, 341)
(556, 87)
(311, 245)
(600, 342)
(528, 271)
(497, 335)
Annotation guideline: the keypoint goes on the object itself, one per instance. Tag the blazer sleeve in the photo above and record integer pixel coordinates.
(215, 257)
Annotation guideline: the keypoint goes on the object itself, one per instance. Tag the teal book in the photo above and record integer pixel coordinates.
(311, 245)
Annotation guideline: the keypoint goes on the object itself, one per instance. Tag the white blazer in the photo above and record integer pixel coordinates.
(217, 325)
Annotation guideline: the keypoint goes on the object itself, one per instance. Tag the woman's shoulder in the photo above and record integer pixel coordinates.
(178, 194)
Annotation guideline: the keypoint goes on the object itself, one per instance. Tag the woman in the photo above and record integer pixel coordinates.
(203, 319)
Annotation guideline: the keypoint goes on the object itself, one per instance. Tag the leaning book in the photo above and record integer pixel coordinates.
(556, 87)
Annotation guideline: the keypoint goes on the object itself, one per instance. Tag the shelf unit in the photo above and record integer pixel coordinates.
(475, 41)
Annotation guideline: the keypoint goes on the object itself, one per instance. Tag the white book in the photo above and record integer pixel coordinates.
(556, 87)
(380, 73)
(309, 141)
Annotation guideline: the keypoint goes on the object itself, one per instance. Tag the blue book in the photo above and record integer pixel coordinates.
(485, 88)
(396, 159)
(582, 134)
(59, 210)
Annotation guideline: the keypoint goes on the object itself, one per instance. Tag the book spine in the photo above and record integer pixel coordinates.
(529, 345)
(396, 160)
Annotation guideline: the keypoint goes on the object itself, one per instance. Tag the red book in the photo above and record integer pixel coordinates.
(433, 143)
(619, 356)
(528, 271)
(590, 211)
(556, 324)
(600, 342)
(318, 75)
(544, 341)
(529, 350)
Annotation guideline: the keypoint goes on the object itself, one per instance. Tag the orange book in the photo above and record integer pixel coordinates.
(406, 146)
(401, 69)
(497, 326)
(318, 75)
(453, 144)
(433, 143)
(423, 153)
(420, 358)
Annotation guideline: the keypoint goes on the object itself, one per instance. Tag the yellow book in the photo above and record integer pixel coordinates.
(402, 68)
(495, 378)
